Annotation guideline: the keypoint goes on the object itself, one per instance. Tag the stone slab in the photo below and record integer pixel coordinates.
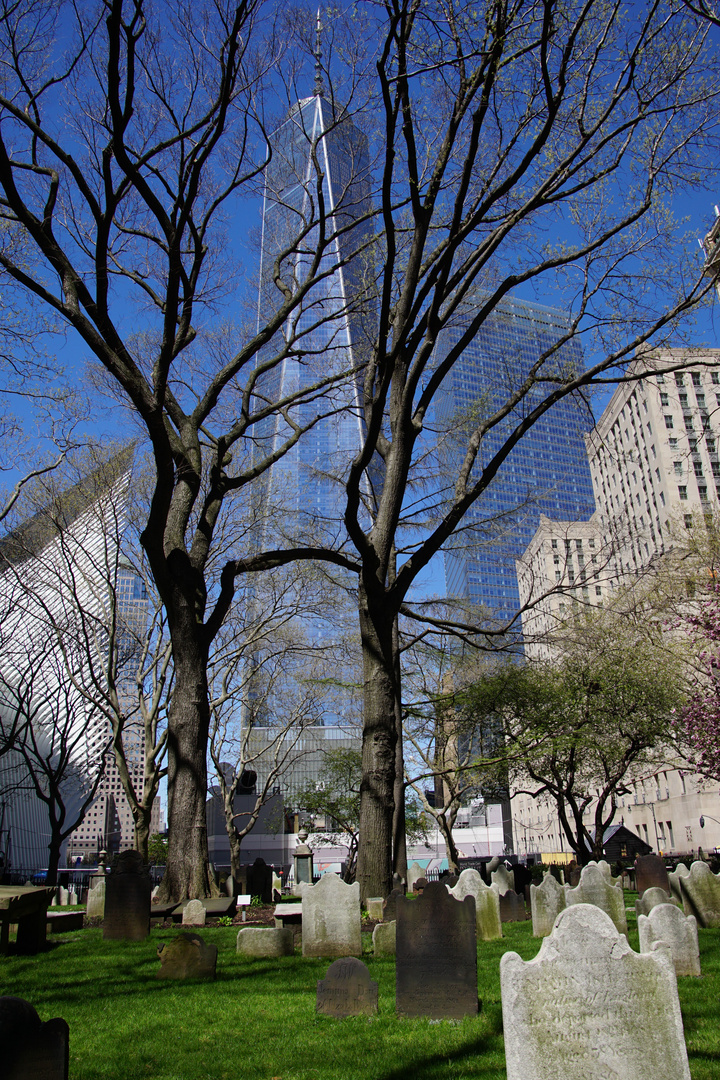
(331, 918)
(512, 906)
(650, 873)
(187, 957)
(595, 888)
(30, 1049)
(127, 899)
(487, 903)
(96, 899)
(547, 900)
(61, 922)
(701, 895)
(288, 914)
(347, 990)
(436, 957)
(193, 913)
(588, 1006)
(384, 939)
(666, 922)
(375, 908)
(266, 941)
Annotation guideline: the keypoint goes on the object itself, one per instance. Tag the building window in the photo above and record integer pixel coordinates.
(700, 400)
(554, 543)
(702, 492)
(696, 378)
(677, 465)
(660, 378)
(662, 498)
(664, 399)
(688, 520)
(668, 422)
(682, 492)
(679, 378)
(673, 443)
(598, 590)
(697, 466)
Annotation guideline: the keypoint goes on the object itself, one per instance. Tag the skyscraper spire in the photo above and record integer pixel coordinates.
(319, 86)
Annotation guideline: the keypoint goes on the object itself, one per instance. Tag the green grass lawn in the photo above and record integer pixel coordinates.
(258, 1022)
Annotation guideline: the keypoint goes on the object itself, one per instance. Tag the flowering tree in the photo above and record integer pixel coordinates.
(699, 721)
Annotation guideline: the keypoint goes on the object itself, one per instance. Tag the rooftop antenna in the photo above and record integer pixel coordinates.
(319, 86)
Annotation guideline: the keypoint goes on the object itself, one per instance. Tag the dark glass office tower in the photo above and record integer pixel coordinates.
(546, 473)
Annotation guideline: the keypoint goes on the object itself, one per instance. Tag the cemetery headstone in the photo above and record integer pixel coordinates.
(487, 903)
(493, 864)
(375, 908)
(96, 899)
(650, 899)
(398, 882)
(666, 922)
(194, 913)
(276, 887)
(187, 957)
(72, 898)
(436, 955)
(127, 899)
(389, 907)
(650, 873)
(64, 896)
(230, 889)
(415, 871)
(512, 906)
(588, 1006)
(572, 876)
(384, 939)
(331, 918)
(266, 942)
(259, 881)
(701, 894)
(547, 900)
(419, 884)
(503, 878)
(679, 872)
(155, 892)
(523, 880)
(347, 990)
(31, 1049)
(594, 888)
(448, 879)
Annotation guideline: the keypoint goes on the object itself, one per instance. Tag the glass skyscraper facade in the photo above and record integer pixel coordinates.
(546, 473)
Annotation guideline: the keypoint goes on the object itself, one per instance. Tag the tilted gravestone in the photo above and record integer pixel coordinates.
(30, 1049)
(415, 871)
(187, 957)
(679, 872)
(650, 873)
(96, 899)
(667, 923)
(436, 955)
(512, 906)
(194, 913)
(259, 880)
(701, 895)
(487, 903)
(503, 878)
(588, 1006)
(331, 918)
(390, 905)
(650, 899)
(594, 888)
(547, 900)
(384, 939)
(347, 990)
(127, 899)
(266, 941)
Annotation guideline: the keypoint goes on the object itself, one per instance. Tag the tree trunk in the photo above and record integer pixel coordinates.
(374, 869)
(53, 859)
(187, 874)
(399, 834)
(446, 825)
(141, 816)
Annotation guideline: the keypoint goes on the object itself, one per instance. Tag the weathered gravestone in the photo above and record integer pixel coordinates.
(547, 900)
(127, 899)
(650, 899)
(266, 942)
(650, 873)
(96, 899)
(436, 955)
(701, 894)
(415, 871)
(347, 990)
(667, 923)
(384, 939)
(389, 907)
(375, 908)
(448, 879)
(193, 913)
(187, 957)
(398, 882)
(588, 1006)
(679, 872)
(331, 918)
(29, 1049)
(512, 906)
(523, 880)
(259, 880)
(594, 888)
(419, 884)
(572, 874)
(487, 903)
(503, 878)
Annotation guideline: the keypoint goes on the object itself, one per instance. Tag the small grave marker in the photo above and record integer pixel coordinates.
(187, 957)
